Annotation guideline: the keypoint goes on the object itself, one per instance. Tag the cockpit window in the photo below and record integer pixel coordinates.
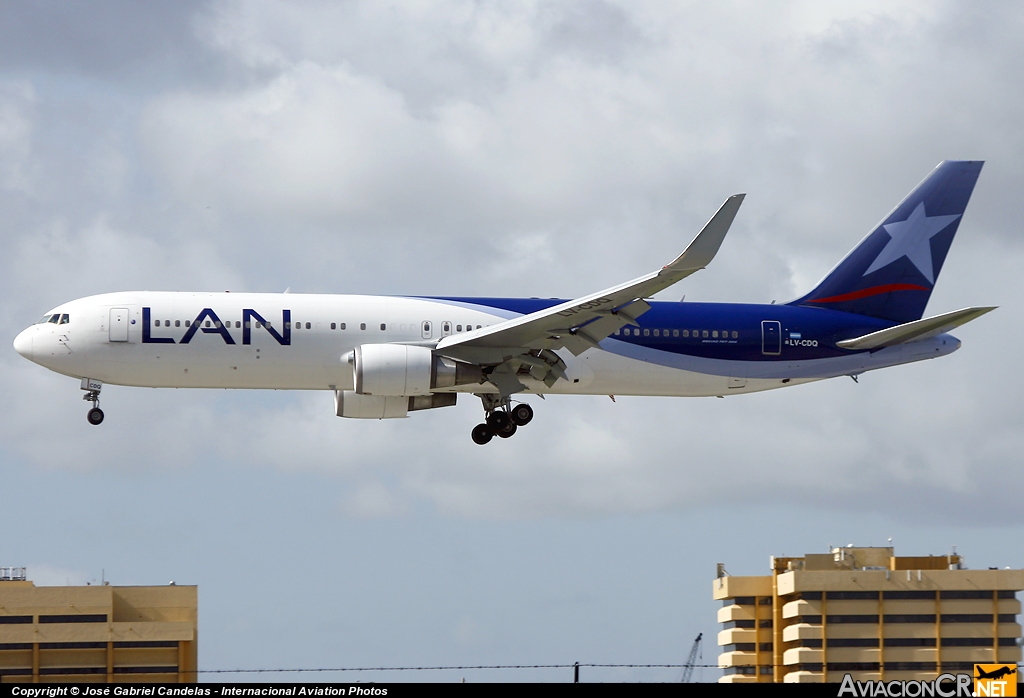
(64, 319)
(44, 319)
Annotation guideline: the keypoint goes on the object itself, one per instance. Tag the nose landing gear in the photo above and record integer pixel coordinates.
(92, 394)
(503, 420)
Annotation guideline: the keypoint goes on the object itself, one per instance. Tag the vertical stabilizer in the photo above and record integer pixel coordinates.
(892, 272)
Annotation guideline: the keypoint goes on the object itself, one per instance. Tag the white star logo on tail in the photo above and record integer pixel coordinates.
(912, 239)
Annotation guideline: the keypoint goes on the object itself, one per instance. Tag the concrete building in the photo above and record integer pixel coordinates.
(96, 633)
(866, 612)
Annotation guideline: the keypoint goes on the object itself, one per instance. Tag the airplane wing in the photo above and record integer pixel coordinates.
(918, 329)
(582, 323)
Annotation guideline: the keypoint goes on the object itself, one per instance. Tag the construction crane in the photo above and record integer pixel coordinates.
(691, 661)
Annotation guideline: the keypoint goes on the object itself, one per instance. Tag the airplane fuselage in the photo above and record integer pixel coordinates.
(304, 342)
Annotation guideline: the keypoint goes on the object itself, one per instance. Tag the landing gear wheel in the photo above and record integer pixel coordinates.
(95, 416)
(498, 421)
(482, 434)
(522, 414)
(508, 431)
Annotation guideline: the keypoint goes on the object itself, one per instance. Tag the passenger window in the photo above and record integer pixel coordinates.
(307, 326)
(287, 325)
(207, 323)
(647, 333)
(362, 325)
(458, 328)
(657, 333)
(383, 327)
(343, 325)
(705, 334)
(478, 327)
(686, 333)
(735, 334)
(446, 328)
(675, 333)
(238, 324)
(157, 323)
(714, 334)
(177, 323)
(265, 324)
(334, 325)
(188, 323)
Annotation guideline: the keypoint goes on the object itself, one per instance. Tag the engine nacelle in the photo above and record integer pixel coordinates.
(400, 369)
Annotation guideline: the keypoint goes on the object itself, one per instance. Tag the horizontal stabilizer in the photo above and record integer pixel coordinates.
(911, 331)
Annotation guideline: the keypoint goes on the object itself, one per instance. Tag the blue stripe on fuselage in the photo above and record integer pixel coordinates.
(818, 329)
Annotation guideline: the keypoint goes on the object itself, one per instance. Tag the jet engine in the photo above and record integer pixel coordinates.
(404, 370)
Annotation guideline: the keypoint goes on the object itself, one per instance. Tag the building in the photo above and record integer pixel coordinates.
(98, 633)
(866, 612)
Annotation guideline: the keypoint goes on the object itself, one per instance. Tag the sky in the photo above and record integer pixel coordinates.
(497, 149)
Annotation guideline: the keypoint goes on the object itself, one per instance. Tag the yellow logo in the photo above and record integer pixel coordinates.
(995, 680)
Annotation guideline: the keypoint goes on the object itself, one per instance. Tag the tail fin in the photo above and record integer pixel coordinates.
(892, 272)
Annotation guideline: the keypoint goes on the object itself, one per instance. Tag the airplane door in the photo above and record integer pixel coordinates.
(119, 324)
(771, 337)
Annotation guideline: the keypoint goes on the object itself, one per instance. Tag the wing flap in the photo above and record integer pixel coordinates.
(911, 331)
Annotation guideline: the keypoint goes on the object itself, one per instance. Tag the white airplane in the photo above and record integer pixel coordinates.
(384, 357)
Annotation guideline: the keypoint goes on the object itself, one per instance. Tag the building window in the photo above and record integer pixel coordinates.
(909, 666)
(738, 624)
(77, 618)
(739, 647)
(766, 623)
(72, 645)
(851, 595)
(739, 601)
(15, 620)
(913, 618)
(966, 594)
(976, 642)
(809, 620)
(852, 642)
(909, 595)
(811, 643)
(146, 643)
(856, 666)
(809, 595)
(975, 618)
(911, 642)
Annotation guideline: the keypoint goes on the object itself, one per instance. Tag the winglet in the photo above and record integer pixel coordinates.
(703, 248)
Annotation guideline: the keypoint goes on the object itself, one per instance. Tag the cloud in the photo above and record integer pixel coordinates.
(542, 149)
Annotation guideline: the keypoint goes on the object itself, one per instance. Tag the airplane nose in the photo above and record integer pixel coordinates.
(23, 343)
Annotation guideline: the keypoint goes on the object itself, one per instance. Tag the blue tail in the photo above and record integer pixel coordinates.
(892, 272)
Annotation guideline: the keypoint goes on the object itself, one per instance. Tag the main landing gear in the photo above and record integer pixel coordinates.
(503, 419)
(92, 394)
